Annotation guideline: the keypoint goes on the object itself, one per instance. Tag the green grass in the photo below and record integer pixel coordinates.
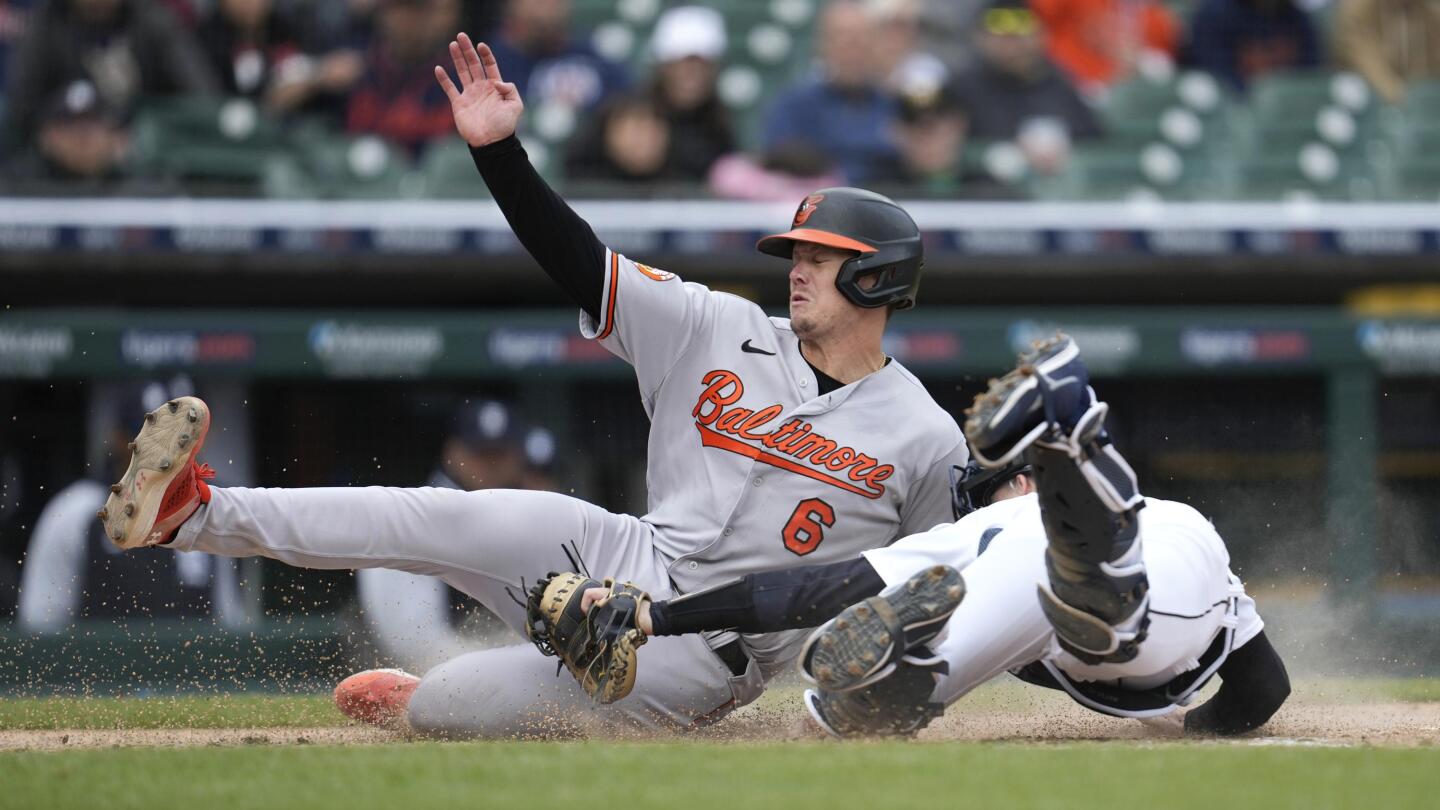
(301, 711)
(1355, 690)
(695, 776)
(171, 711)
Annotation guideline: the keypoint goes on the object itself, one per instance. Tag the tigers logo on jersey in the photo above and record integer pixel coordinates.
(807, 207)
(652, 273)
(796, 447)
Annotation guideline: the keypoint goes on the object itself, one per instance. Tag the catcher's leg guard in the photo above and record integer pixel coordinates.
(1097, 597)
(896, 706)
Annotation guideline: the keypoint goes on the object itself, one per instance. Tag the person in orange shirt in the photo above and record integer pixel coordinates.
(1101, 42)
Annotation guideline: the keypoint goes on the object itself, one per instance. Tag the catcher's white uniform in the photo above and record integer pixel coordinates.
(1195, 600)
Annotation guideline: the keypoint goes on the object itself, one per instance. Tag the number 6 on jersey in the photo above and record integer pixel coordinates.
(806, 526)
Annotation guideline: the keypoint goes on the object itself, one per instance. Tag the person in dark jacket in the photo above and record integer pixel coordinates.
(1238, 40)
(125, 48)
(547, 63)
(628, 142)
(688, 44)
(1014, 92)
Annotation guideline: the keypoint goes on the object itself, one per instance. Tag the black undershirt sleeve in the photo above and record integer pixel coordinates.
(1253, 686)
(558, 239)
(788, 599)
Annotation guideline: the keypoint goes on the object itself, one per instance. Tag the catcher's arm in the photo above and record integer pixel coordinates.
(595, 627)
(787, 599)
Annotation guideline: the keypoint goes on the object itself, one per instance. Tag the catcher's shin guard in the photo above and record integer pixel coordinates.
(898, 705)
(1097, 596)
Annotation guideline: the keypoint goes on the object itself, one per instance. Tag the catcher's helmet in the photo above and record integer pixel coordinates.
(973, 486)
(886, 238)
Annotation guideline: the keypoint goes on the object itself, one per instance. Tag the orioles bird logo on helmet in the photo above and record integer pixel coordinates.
(807, 207)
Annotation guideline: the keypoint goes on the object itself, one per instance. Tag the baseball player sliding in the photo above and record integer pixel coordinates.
(772, 440)
(1075, 582)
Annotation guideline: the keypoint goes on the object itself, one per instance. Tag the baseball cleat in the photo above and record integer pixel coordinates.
(1047, 391)
(376, 696)
(867, 640)
(163, 486)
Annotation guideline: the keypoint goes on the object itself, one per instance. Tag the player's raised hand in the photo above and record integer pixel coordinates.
(487, 107)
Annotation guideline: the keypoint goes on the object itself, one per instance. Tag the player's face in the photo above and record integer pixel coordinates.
(816, 305)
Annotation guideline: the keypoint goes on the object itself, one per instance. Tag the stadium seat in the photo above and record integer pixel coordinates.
(282, 177)
(1413, 180)
(449, 173)
(364, 167)
(1122, 172)
(1140, 99)
(1314, 172)
(1299, 95)
(1422, 101)
(207, 144)
(1177, 126)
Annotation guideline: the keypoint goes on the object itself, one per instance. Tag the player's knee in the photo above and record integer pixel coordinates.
(455, 700)
(432, 713)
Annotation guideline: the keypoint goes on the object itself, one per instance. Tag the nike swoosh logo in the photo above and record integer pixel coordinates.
(746, 347)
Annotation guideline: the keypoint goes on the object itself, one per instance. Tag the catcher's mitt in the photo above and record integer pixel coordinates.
(597, 647)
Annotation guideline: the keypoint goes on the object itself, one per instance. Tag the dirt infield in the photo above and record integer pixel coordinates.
(1036, 718)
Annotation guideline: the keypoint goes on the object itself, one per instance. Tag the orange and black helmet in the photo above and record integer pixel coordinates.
(884, 237)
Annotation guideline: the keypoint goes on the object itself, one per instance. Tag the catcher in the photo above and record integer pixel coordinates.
(1076, 582)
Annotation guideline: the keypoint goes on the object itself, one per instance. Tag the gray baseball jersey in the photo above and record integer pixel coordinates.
(750, 467)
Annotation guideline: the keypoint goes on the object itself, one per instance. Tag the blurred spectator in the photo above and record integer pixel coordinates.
(14, 17)
(255, 53)
(329, 25)
(536, 52)
(1238, 40)
(1390, 42)
(843, 113)
(784, 172)
(1014, 92)
(398, 98)
(947, 30)
(335, 36)
(79, 148)
(629, 141)
(72, 570)
(1101, 42)
(931, 133)
(127, 49)
(896, 42)
(687, 45)
(416, 620)
(480, 17)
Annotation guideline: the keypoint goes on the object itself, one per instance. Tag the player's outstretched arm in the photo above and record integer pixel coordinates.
(1253, 686)
(487, 109)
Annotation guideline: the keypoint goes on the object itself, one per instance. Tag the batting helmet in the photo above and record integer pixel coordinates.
(882, 234)
(972, 488)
